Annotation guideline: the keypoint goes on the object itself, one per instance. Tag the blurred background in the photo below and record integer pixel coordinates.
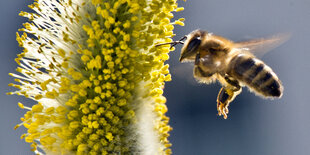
(255, 126)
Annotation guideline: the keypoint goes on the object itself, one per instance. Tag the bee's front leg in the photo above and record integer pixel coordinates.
(226, 95)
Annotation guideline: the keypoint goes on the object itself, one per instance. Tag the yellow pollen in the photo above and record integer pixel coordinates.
(92, 68)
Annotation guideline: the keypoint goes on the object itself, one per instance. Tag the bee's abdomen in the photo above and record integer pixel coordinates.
(256, 75)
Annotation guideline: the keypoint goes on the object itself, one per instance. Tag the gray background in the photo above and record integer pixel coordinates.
(254, 126)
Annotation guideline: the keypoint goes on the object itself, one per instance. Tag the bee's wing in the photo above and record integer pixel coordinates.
(259, 47)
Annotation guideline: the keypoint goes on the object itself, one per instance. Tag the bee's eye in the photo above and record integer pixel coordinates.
(193, 44)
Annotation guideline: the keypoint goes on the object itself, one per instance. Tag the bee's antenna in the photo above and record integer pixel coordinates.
(173, 43)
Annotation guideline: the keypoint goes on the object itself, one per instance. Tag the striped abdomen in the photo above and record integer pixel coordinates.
(256, 75)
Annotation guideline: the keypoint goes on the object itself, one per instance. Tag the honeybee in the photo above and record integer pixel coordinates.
(233, 64)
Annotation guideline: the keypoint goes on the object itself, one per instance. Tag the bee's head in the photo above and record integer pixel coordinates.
(191, 45)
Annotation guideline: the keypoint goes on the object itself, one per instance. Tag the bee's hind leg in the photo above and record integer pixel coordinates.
(226, 95)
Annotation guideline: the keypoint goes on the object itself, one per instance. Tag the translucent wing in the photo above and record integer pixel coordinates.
(259, 47)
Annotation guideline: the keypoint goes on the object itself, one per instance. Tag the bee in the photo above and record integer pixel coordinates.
(233, 64)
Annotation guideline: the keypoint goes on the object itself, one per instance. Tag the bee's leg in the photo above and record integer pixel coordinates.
(198, 72)
(197, 59)
(226, 95)
(232, 83)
